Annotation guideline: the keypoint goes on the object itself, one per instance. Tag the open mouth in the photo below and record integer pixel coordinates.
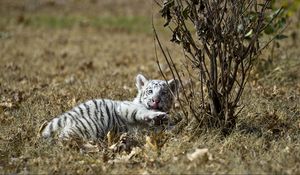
(155, 107)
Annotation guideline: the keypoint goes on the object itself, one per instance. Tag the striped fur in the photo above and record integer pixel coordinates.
(95, 118)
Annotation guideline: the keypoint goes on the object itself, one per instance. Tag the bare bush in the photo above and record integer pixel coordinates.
(221, 39)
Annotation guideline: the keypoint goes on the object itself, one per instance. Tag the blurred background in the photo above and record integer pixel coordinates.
(130, 16)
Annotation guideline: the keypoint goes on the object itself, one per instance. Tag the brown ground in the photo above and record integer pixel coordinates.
(55, 54)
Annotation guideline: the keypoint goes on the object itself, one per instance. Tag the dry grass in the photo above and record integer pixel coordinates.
(45, 71)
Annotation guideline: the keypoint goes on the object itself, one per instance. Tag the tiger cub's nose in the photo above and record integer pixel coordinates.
(155, 100)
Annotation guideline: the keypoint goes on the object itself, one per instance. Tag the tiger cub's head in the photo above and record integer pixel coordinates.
(156, 94)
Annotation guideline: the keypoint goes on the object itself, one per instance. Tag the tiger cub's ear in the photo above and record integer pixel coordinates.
(140, 81)
(174, 85)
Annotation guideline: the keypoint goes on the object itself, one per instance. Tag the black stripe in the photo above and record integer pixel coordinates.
(51, 127)
(120, 121)
(108, 115)
(133, 115)
(94, 122)
(64, 120)
(59, 122)
(79, 129)
(96, 115)
(77, 125)
(96, 105)
(85, 130)
(74, 110)
(81, 111)
(74, 132)
(126, 114)
(114, 122)
(96, 112)
(101, 117)
(102, 130)
(87, 121)
(101, 112)
(117, 117)
(123, 122)
(82, 124)
(101, 121)
(73, 118)
(88, 109)
(98, 130)
(90, 117)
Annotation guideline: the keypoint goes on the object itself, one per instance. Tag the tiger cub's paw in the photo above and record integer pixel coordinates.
(156, 118)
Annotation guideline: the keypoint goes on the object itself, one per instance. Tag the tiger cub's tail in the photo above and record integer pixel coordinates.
(47, 129)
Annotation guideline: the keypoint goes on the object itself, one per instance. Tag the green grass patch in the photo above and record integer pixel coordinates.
(130, 23)
(52, 21)
(127, 23)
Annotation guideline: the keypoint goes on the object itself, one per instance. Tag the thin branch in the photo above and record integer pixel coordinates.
(157, 61)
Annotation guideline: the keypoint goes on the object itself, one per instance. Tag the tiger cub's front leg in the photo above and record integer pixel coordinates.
(135, 113)
(154, 117)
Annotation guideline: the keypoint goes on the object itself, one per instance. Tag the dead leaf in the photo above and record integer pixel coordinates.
(87, 65)
(135, 151)
(70, 80)
(72, 102)
(127, 88)
(150, 143)
(6, 105)
(4, 120)
(110, 138)
(90, 148)
(12, 66)
(200, 154)
(125, 143)
(125, 158)
(145, 173)
(18, 96)
(156, 140)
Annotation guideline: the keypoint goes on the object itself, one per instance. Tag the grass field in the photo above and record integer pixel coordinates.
(56, 54)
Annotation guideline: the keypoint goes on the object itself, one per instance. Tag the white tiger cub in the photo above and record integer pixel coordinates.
(95, 118)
